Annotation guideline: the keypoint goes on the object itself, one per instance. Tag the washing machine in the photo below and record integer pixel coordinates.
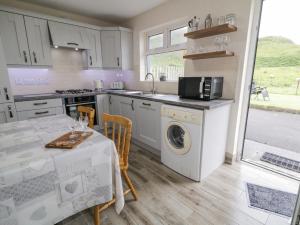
(182, 140)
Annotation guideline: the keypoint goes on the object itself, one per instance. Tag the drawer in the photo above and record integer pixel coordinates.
(38, 104)
(30, 114)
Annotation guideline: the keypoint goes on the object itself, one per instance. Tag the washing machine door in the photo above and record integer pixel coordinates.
(178, 138)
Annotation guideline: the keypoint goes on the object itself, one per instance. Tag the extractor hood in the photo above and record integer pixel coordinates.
(68, 35)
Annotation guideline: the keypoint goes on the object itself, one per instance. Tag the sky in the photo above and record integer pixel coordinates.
(281, 18)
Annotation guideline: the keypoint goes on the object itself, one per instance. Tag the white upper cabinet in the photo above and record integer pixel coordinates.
(93, 55)
(38, 41)
(111, 49)
(67, 35)
(127, 50)
(14, 40)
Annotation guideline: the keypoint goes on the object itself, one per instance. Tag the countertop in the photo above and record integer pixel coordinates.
(164, 98)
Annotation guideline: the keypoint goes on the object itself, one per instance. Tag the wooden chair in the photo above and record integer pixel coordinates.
(90, 113)
(121, 128)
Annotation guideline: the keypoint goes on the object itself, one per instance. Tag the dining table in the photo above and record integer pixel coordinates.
(43, 186)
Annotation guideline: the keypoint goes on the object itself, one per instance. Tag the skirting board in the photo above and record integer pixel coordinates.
(229, 157)
(147, 147)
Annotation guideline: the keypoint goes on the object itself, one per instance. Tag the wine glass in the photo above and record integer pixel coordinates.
(226, 40)
(218, 43)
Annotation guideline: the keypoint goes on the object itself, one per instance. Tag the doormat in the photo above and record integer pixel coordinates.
(272, 200)
(281, 161)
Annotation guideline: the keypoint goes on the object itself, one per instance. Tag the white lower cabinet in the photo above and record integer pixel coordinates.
(39, 108)
(102, 106)
(127, 109)
(145, 117)
(148, 122)
(7, 113)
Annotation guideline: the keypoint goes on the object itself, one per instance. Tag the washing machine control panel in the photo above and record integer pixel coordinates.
(188, 115)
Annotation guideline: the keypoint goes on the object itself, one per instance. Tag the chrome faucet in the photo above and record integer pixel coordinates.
(146, 78)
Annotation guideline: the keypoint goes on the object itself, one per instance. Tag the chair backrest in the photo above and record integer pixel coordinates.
(90, 112)
(119, 128)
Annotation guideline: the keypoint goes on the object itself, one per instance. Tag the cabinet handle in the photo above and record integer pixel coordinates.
(40, 103)
(11, 115)
(6, 93)
(109, 99)
(91, 61)
(132, 106)
(118, 61)
(39, 113)
(25, 56)
(147, 104)
(72, 43)
(34, 57)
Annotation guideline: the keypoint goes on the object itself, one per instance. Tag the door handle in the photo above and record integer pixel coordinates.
(72, 43)
(39, 113)
(132, 106)
(11, 115)
(40, 103)
(25, 56)
(201, 86)
(147, 104)
(91, 61)
(6, 93)
(34, 57)
(109, 99)
(118, 61)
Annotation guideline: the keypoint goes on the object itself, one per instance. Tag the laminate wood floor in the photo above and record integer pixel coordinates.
(167, 198)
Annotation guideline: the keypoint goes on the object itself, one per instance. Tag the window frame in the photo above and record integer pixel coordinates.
(167, 47)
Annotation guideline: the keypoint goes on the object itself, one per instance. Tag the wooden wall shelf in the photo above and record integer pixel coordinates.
(221, 29)
(207, 55)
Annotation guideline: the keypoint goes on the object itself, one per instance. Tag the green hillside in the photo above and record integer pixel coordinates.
(277, 52)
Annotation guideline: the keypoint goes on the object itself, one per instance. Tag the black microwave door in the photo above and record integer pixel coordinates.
(190, 88)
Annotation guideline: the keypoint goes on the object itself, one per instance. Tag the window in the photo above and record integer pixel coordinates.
(156, 41)
(165, 48)
(177, 36)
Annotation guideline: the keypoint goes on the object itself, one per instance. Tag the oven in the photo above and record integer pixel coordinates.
(71, 104)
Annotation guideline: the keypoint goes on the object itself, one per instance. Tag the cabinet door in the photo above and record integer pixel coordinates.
(5, 90)
(13, 34)
(7, 113)
(102, 107)
(148, 123)
(127, 50)
(67, 35)
(111, 49)
(114, 104)
(94, 57)
(127, 109)
(38, 41)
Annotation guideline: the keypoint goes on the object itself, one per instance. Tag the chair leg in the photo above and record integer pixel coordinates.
(96, 215)
(130, 185)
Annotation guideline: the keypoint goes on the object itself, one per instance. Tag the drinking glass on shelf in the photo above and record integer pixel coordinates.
(226, 40)
(221, 20)
(218, 43)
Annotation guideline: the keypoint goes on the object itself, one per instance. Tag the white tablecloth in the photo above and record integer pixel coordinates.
(41, 186)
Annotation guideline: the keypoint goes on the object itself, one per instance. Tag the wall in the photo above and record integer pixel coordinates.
(68, 72)
(53, 12)
(231, 68)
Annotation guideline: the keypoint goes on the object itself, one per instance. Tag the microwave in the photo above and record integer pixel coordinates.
(201, 88)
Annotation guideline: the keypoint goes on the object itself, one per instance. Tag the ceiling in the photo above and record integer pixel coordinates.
(110, 10)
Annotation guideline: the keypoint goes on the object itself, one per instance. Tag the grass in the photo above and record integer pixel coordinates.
(277, 102)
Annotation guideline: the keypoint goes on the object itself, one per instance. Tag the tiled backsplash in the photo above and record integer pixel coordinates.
(68, 72)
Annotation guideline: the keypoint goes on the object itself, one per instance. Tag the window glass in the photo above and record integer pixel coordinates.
(168, 65)
(156, 41)
(177, 36)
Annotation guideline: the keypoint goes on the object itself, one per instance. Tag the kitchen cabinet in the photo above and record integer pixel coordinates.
(14, 39)
(117, 49)
(39, 108)
(148, 122)
(93, 56)
(127, 109)
(67, 35)
(7, 113)
(5, 90)
(111, 48)
(114, 104)
(102, 106)
(38, 41)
